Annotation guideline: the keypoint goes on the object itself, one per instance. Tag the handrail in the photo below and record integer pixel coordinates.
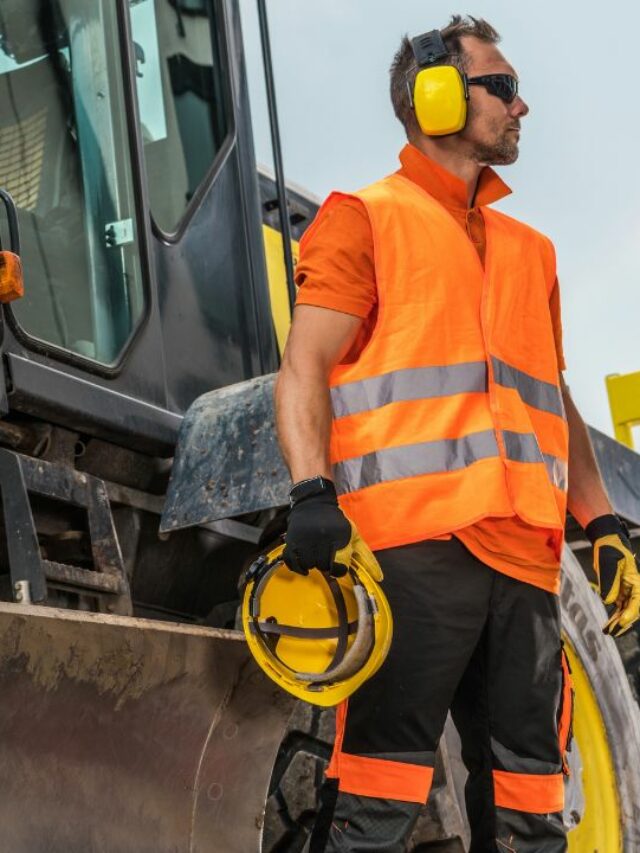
(277, 151)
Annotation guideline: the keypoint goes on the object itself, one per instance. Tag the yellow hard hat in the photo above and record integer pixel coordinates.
(317, 636)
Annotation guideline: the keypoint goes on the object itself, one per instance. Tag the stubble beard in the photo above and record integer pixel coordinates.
(503, 152)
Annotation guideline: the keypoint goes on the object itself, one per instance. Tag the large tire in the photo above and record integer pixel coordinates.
(614, 717)
(582, 618)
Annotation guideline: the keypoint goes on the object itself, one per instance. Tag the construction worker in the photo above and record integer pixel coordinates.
(421, 401)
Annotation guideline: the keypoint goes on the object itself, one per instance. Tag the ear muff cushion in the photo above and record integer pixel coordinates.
(439, 100)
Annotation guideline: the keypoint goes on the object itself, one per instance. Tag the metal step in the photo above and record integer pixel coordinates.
(21, 476)
(84, 579)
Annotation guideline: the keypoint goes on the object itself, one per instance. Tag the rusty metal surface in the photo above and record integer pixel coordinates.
(63, 573)
(121, 734)
(227, 460)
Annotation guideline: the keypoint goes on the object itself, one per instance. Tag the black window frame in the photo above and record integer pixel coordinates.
(220, 38)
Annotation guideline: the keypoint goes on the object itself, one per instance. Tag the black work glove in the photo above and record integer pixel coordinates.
(318, 535)
(617, 571)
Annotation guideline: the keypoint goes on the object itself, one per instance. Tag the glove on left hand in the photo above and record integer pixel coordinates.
(617, 571)
(319, 535)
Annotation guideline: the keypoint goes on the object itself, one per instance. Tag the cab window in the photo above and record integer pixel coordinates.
(182, 99)
(64, 157)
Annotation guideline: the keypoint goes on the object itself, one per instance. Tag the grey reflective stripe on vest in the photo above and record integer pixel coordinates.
(417, 383)
(523, 447)
(534, 392)
(410, 383)
(413, 460)
(557, 469)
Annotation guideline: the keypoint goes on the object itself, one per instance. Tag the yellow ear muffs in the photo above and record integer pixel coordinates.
(440, 100)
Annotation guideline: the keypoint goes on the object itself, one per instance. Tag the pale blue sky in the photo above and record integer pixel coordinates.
(577, 177)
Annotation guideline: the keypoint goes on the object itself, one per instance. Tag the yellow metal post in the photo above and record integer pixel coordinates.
(624, 402)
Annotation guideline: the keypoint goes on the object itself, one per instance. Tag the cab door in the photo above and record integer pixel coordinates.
(126, 144)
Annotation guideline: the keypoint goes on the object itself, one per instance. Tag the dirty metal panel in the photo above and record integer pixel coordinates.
(227, 461)
(122, 734)
(620, 469)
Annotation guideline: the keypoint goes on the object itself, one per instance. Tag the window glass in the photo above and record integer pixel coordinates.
(64, 158)
(181, 99)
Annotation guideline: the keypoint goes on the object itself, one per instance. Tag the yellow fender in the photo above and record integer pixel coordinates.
(278, 282)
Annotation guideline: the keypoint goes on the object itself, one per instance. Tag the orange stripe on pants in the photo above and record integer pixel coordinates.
(564, 726)
(535, 794)
(341, 721)
(376, 777)
(388, 780)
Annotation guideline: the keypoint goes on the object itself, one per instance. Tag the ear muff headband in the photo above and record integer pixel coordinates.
(440, 92)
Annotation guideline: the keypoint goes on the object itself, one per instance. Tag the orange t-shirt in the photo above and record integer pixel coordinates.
(337, 271)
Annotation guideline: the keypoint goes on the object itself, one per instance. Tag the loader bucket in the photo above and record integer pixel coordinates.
(121, 734)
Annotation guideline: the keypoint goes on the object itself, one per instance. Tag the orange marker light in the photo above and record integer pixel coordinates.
(11, 280)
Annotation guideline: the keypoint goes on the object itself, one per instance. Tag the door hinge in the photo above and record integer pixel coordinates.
(119, 233)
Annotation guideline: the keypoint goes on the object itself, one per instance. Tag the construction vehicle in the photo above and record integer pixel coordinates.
(139, 471)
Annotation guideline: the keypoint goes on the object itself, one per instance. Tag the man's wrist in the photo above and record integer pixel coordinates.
(311, 487)
(605, 525)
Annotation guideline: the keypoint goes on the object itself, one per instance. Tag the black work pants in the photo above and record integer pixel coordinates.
(485, 646)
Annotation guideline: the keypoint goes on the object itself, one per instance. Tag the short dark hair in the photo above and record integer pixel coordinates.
(403, 69)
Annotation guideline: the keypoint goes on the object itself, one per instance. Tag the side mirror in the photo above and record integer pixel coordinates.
(11, 280)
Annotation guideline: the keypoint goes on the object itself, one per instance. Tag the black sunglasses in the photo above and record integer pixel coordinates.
(503, 86)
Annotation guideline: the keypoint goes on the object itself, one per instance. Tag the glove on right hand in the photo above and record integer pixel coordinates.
(617, 572)
(317, 529)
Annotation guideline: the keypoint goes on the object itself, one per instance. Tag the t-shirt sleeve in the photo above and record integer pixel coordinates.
(336, 267)
(556, 320)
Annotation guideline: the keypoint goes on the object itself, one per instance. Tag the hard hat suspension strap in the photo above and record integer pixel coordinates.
(360, 649)
(346, 661)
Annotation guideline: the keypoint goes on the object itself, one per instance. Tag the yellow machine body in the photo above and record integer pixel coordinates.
(277, 275)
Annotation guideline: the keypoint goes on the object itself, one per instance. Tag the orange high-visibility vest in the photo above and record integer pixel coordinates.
(452, 412)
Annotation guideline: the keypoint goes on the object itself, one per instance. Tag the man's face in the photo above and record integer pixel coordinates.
(492, 132)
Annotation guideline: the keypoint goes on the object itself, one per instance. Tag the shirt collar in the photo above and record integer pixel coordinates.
(446, 188)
